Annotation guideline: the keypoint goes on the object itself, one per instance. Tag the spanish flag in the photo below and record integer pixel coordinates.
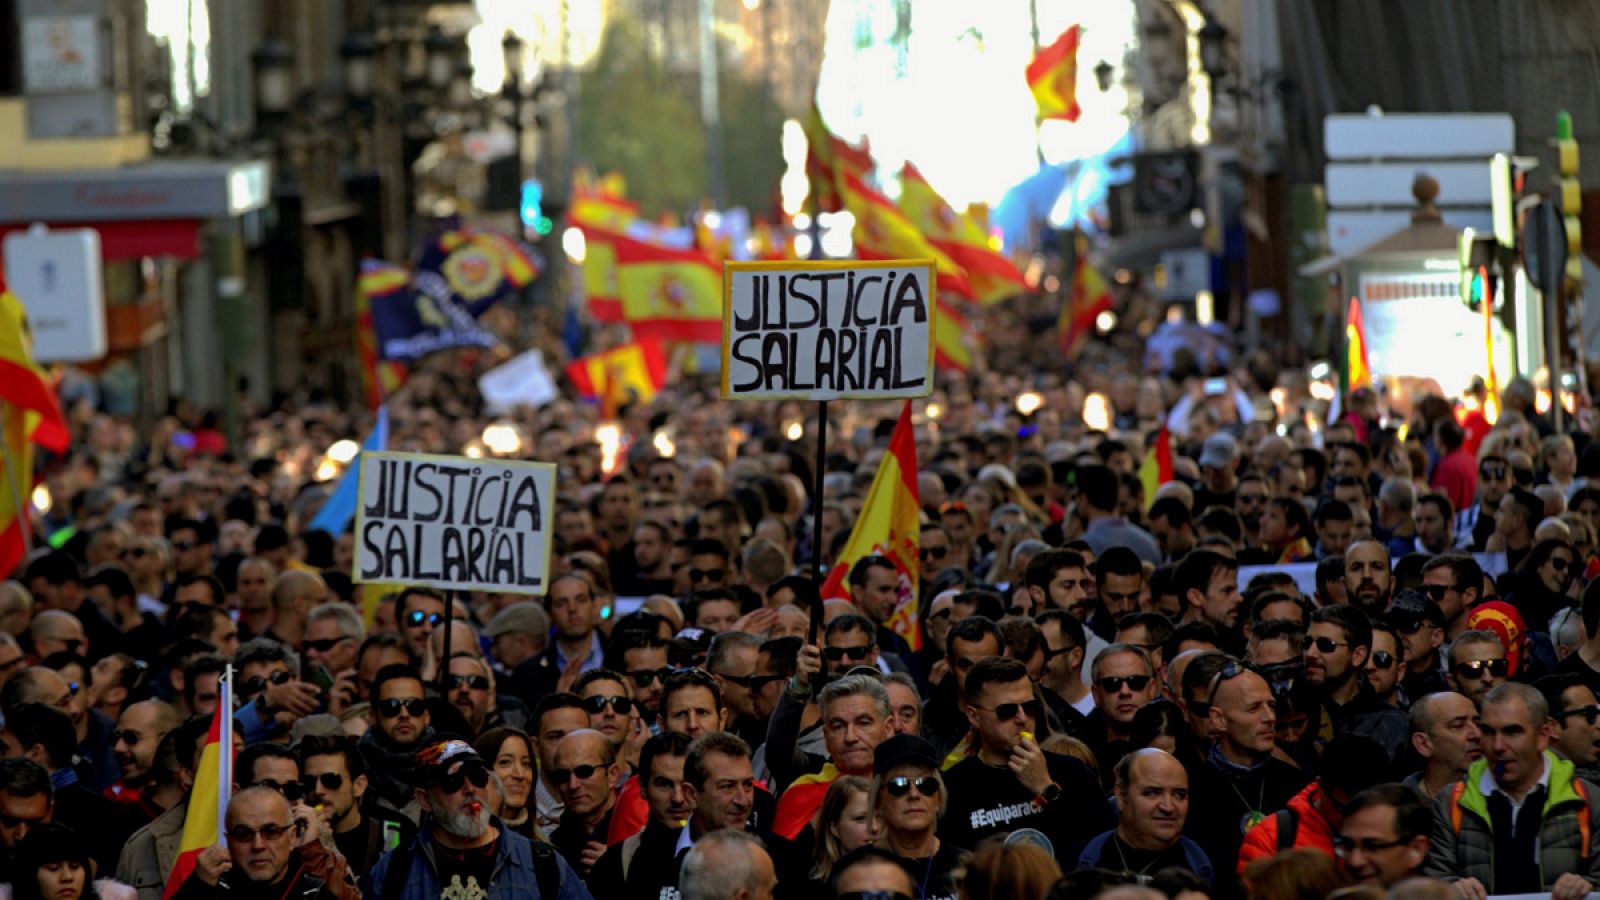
(889, 525)
(1090, 297)
(206, 817)
(1156, 469)
(1053, 78)
(951, 340)
(1358, 374)
(829, 157)
(992, 276)
(669, 293)
(630, 373)
(29, 415)
(801, 800)
(882, 231)
(379, 377)
(601, 202)
(601, 286)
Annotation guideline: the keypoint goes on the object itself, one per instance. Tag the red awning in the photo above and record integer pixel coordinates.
(130, 240)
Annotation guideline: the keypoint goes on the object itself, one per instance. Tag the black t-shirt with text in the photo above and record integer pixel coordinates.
(935, 876)
(987, 800)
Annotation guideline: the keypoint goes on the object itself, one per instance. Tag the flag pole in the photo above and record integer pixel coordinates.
(23, 525)
(817, 550)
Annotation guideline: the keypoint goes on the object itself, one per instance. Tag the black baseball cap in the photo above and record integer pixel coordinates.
(901, 749)
(1410, 607)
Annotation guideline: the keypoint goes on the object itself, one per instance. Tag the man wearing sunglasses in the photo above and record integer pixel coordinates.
(1008, 782)
(334, 778)
(1124, 681)
(586, 773)
(641, 657)
(1385, 663)
(57, 583)
(133, 744)
(1576, 715)
(1455, 582)
(1478, 664)
(1419, 622)
(1475, 524)
(402, 723)
(733, 659)
(1337, 649)
(849, 641)
(1152, 791)
(1062, 680)
(419, 611)
(462, 850)
(267, 856)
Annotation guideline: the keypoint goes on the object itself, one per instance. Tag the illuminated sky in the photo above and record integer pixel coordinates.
(962, 112)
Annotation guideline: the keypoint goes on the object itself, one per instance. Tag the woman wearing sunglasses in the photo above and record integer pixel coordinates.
(909, 798)
(1543, 586)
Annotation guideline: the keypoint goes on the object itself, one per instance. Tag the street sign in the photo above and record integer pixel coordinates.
(57, 276)
(1544, 246)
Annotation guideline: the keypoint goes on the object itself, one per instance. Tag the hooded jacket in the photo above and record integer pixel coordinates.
(1312, 831)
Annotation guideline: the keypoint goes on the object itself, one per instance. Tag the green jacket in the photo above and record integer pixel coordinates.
(1463, 838)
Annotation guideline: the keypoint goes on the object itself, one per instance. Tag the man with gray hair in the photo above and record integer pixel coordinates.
(727, 865)
(334, 633)
(1515, 824)
(520, 632)
(855, 720)
(1397, 502)
(732, 659)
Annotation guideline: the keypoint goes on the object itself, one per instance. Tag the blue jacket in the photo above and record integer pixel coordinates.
(514, 875)
(1199, 863)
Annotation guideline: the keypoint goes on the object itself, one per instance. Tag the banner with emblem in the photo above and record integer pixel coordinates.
(474, 268)
(409, 323)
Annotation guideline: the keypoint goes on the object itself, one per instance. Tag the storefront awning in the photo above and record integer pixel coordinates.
(177, 238)
(165, 190)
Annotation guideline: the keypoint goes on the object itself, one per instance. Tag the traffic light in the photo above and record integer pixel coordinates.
(532, 209)
(1570, 194)
(1477, 257)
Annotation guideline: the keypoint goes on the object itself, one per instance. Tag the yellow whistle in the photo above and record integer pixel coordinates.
(1027, 735)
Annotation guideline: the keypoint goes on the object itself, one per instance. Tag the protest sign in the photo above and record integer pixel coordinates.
(828, 330)
(452, 522)
(521, 381)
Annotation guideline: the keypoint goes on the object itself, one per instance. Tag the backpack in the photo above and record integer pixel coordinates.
(546, 870)
(1288, 828)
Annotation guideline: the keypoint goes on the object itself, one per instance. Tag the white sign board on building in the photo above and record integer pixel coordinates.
(61, 53)
(57, 276)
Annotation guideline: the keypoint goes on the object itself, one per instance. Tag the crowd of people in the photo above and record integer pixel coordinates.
(1357, 658)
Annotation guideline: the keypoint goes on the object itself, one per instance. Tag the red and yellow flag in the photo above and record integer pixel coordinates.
(29, 415)
(669, 293)
(828, 158)
(379, 377)
(1358, 374)
(882, 231)
(629, 373)
(601, 286)
(1491, 380)
(1156, 469)
(1053, 77)
(951, 349)
(993, 277)
(889, 525)
(1090, 297)
(800, 801)
(601, 202)
(213, 786)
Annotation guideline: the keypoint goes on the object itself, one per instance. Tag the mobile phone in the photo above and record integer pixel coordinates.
(1216, 387)
(321, 678)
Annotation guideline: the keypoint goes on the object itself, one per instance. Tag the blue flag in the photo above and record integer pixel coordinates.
(336, 513)
(411, 321)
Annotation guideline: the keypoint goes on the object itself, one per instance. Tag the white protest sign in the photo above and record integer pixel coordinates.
(828, 330)
(521, 381)
(453, 522)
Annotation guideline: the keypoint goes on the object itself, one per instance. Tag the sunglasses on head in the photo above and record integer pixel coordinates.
(244, 834)
(391, 707)
(1327, 644)
(331, 781)
(469, 771)
(1382, 659)
(258, 684)
(927, 786)
(416, 617)
(1005, 712)
(646, 677)
(1112, 684)
(470, 682)
(290, 790)
(1473, 669)
(1231, 669)
(584, 773)
(597, 704)
(838, 654)
(697, 575)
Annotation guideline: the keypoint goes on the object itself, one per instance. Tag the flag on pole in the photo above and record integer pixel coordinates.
(629, 373)
(1491, 381)
(1090, 296)
(889, 525)
(993, 277)
(669, 293)
(1156, 469)
(882, 231)
(1053, 77)
(213, 786)
(340, 507)
(1358, 374)
(29, 415)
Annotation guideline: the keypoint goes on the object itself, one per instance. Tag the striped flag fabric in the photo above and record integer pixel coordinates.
(213, 786)
(1156, 469)
(340, 507)
(992, 275)
(801, 800)
(629, 373)
(29, 416)
(1053, 77)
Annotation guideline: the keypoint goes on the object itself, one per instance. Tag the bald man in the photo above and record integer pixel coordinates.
(254, 591)
(57, 631)
(585, 772)
(138, 733)
(1152, 790)
(294, 593)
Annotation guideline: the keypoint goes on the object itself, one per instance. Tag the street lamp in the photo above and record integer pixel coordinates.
(440, 51)
(274, 70)
(512, 46)
(359, 53)
(460, 94)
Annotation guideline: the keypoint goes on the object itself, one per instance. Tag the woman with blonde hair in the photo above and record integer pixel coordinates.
(908, 800)
(1001, 871)
(844, 823)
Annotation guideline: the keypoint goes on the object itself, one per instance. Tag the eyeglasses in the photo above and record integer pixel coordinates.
(331, 781)
(290, 790)
(391, 707)
(183, 545)
(1493, 470)
(1327, 644)
(258, 684)
(698, 575)
(469, 771)
(646, 677)
(470, 682)
(838, 654)
(1052, 654)
(323, 645)
(752, 682)
(584, 773)
(244, 834)
(1112, 684)
(597, 704)
(1231, 669)
(1436, 592)
(416, 617)
(1382, 659)
(935, 552)
(1005, 712)
(1560, 562)
(1589, 713)
(1343, 845)
(1473, 669)
(126, 736)
(1410, 626)
(927, 786)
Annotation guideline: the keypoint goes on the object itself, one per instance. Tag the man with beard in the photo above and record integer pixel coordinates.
(401, 725)
(1445, 735)
(1060, 579)
(1250, 503)
(1336, 651)
(335, 779)
(1519, 515)
(1435, 520)
(652, 566)
(269, 855)
(1367, 576)
(1119, 582)
(644, 863)
(1477, 664)
(1209, 583)
(1173, 527)
(1153, 803)
(462, 850)
(1124, 681)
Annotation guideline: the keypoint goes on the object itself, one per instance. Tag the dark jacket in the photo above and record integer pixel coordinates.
(514, 872)
(314, 873)
(392, 769)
